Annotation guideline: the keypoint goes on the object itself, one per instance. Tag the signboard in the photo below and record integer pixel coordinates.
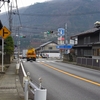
(61, 31)
(64, 46)
(68, 46)
(61, 38)
(1, 25)
(4, 32)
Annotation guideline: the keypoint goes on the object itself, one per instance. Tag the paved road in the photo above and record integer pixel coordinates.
(64, 81)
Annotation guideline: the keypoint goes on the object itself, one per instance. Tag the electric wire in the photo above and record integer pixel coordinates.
(67, 14)
(6, 12)
(2, 4)
(29, 31)
(18, 13)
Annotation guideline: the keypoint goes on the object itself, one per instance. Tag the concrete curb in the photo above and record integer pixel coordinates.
(19, 88)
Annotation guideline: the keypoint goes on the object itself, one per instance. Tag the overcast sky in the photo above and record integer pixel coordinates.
(21, 3)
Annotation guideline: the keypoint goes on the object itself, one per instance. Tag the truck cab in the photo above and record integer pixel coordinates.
(31, 55)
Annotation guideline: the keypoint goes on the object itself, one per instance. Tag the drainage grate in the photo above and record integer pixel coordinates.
(7, 87)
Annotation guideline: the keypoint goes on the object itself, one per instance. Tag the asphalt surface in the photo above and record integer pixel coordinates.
(65, 81)
(10, 86)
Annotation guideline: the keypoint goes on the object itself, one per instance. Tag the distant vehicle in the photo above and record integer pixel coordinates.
(43, 55)
(24, 53)
(31, 55)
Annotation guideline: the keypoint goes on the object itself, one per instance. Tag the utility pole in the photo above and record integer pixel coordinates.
(19, 27)
(66, 37)
(18, 44)
(10, 18)
(8, 1)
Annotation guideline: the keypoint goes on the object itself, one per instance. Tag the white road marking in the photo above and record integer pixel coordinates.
(40, 61)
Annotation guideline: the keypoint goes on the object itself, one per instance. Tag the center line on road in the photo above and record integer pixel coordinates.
(72, 75)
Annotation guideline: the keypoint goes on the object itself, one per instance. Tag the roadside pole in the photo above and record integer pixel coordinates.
(18, 45)
(2, 55)
(4, 33)
(61, 40)
(18, 59)
(1, 26)
(66, 37)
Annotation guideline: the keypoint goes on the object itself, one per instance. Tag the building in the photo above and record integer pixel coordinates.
(87, 49)
(48, 49)
(88, 43)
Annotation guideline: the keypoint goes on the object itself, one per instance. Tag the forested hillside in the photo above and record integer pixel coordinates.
(36, 19)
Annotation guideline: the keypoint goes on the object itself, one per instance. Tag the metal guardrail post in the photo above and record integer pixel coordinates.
(17, 68)
(40, 80)
(40, 94)
(26, 88)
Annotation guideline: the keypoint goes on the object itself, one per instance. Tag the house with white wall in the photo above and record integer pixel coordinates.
(49, 48)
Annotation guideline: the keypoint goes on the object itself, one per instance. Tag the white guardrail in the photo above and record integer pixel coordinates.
(38, 92)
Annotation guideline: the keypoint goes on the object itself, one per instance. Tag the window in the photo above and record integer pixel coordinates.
(87, 52)
(81, 52)
(85, 40)
(88, 41)
(50, 48)
(96, 52)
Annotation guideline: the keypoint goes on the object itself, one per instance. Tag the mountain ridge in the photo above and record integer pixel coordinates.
(80, 15)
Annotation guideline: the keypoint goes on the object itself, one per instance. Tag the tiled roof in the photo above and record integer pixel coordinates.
(93, 30)
(47, 43)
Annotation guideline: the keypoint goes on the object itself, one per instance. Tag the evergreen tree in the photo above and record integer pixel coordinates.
(9, 45)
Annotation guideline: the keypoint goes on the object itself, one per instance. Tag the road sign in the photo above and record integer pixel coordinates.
(61, 31)
(64, 46)
(69, 46)
(60, 46)
(4, 32)
(1, 25)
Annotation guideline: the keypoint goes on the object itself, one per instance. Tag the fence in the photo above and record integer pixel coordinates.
(7, 59)
(89, 62)
(31, 91)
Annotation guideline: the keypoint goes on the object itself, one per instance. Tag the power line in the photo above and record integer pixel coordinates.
(2, 5)
(30, 27)
(18, 12)
(67, 14)
(28, 31)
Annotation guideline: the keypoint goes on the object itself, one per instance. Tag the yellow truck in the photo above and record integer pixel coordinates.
(31, 55)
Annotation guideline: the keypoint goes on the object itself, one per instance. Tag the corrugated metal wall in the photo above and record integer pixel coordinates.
(89, 62)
